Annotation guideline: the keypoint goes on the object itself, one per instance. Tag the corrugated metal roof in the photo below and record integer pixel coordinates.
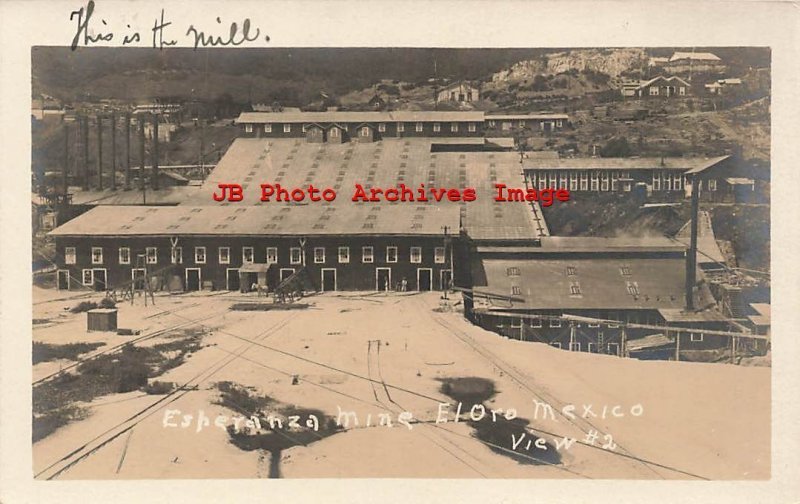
(585, 283)
(520, 117)
(360, 117)
(708, 250)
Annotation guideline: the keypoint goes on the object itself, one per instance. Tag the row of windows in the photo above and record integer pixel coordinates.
(401, 127)
(655, 90)
(224, 255)
(582, 180)
(506, 125)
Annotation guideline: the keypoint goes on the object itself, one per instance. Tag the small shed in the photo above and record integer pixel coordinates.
(101, 319)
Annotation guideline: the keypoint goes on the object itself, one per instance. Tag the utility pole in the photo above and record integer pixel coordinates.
(65, 175)
(142, 185)
(677, 346)
(624, 342)
(446, 288)
(571, 335)
(154, 153)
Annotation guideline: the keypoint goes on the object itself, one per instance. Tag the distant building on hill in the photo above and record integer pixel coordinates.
(459, 91)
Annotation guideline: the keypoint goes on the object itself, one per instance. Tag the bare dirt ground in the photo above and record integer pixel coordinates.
(695, 421)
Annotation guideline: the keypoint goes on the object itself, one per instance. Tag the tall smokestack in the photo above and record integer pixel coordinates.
(65, 177)
(691, 257)
(127, 151)
(141, 152)
(100, 152)
(85, 132)
(114, 151)
(154, 173)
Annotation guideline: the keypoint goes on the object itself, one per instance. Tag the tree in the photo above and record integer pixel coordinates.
(616, 147)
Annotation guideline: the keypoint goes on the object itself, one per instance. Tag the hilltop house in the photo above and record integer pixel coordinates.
(656, 87)
(459, 91)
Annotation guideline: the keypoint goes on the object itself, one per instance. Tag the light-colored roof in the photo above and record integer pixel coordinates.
(360, 117)
(521, 117)
(700, 56)
(739, 181)
(166, 196)
(730, 81)
(598, 244)
(671, 80)
(706, 164)
(679, 315)
(296, 163)
(643, 163)
(763, 315)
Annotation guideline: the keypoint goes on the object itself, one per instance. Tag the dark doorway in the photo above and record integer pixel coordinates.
(286, 273)
(63, 280)
(232, 279)
(137, 275)
(446, 279)
(192, 279)
(100, 284)
(328, 279)
(424, 279)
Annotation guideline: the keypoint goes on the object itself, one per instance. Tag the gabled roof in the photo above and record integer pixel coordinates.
(670, 80)
(700, 56)
(359, 117)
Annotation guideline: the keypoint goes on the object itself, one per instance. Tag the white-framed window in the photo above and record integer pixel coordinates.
(367, 254)
(584, 180)
(454, 127)
(677, 180)
(97, 255)
(554, 322)
(151, 254)
(593, 324)
(176, 255)
(319, 255)
(70, 256)
(419, 127)
(401, 127)
(712, 184)
(295, 255)
(535, 322)
(559, 123)
(472, 128)
(382, 127)
(344, 255)
(682, 91)
(437, 127)
(287, 128)
(613, 348)
(200, 255)
(666, 181)
(124, 255)
(556, 344)
(248, 128)
(365, 131)
(653, 90)
(542, 180)
(656, 181)
(224, 255)
(553, 180)
(492, 124)
(438, 255)
(516, 323)
(521, 123)
(268, 128)
(87, 277)
(516, 290)
(604, 182)
(696, 337)
(592, 347)
(416, 255)
(334, 132)
(248, 255)
(391, 254)
(573, 181)
(575, 346)
(562, 180)
(614, 179)
(595, 179)
(272, 255)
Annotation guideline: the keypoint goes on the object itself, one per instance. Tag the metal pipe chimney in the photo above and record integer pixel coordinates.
(99, 152)
(691, 254)
(113, 151)
(154, 172)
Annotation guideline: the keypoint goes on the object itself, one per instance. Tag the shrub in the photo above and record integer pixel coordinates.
(83, 306)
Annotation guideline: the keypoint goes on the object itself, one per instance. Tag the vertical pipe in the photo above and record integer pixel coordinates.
(691, 258)
(127, 151)
(154, 170)
(99, 152)
(141, 153)
(114, 150)
(65, 174)
(85, 132)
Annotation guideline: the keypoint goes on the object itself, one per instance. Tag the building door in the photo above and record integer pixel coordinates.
(424, 279)
(100, 283)
(193, 279)
(232, 279)
(328, 279)
(383, 279)
(445, 278)
(286, 273)
(137, 277)
(547, 126)
(613, 348)
(63, 279)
